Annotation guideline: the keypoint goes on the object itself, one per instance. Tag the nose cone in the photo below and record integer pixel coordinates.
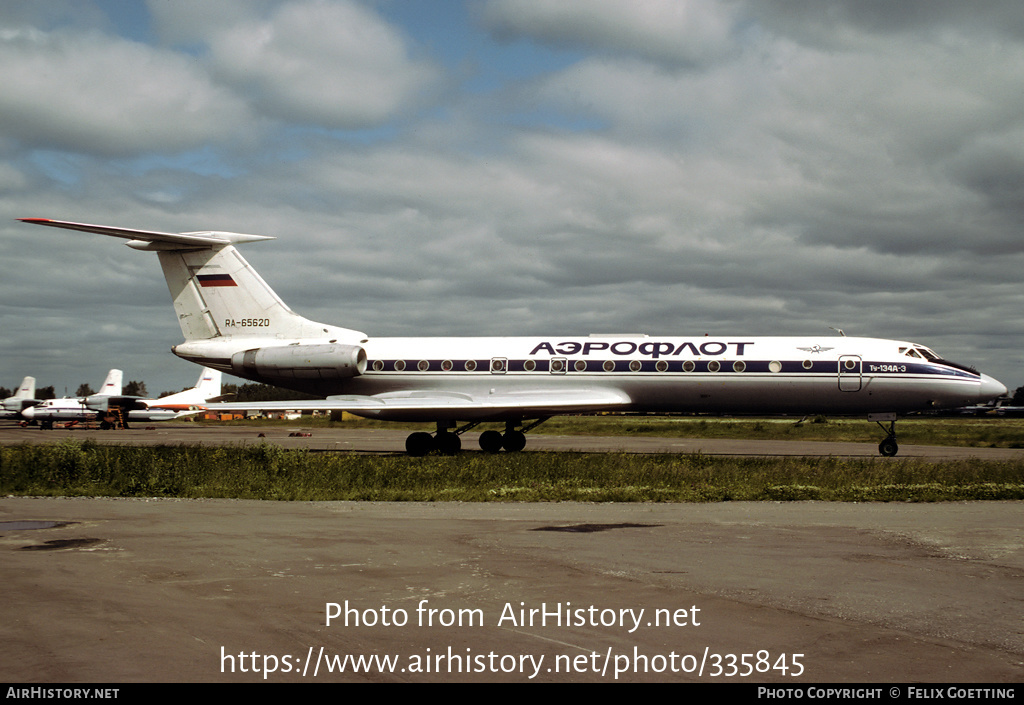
(990, 388)
(29, 413)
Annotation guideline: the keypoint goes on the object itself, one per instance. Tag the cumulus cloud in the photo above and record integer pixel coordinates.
(107, 96)
(334, 64)
(676, 32)
(848, 23)
(714, 167)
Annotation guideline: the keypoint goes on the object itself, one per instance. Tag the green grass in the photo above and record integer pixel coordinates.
(271, 473)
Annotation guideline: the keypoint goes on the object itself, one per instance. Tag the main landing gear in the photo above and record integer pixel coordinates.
(888, 447)
(447, 442)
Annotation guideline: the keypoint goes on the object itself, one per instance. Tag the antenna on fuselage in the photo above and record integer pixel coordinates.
(839, 331)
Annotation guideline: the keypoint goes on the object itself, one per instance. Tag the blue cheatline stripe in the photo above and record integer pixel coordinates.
(790, 367)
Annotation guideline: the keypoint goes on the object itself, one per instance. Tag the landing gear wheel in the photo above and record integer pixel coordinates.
(447, 443)
(514, 441)
(419, 444)
(491, 441)
(888, 447)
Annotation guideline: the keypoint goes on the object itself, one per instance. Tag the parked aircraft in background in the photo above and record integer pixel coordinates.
(184, 403)
(112, 409)
(22, 399)
(233, 321)
(74, 408)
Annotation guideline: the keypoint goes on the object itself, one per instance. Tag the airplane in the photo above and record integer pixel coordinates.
(233, 321)
(11, 407)
(112, 408)
(185, 403)
(74, 408)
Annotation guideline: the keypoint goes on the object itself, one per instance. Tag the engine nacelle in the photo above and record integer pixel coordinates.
(101, 402)
(329, 361)
(97, 402)
(14, 404)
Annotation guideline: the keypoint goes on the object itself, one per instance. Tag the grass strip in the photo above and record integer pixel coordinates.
(268, 472)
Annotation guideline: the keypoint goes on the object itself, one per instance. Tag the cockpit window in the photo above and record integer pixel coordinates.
(921, 353)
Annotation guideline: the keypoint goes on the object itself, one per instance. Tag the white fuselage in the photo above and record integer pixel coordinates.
(66, 409)
(718, 374)
(73, 409)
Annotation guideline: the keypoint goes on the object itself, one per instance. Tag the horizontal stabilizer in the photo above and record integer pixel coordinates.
(166, 240)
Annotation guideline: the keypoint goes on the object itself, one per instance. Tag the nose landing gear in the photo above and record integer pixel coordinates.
(888, 447)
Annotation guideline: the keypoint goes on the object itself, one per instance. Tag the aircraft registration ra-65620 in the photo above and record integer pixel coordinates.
(234, 322)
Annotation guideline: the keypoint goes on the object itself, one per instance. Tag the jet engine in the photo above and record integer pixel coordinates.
(330, 361)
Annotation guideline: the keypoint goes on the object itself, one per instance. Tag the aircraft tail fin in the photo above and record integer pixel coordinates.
(27, 389)
(216, 292)
(209, 384)
(112, 384)
(207, 388)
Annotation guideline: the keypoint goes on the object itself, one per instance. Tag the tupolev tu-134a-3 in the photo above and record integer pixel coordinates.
(234, 322)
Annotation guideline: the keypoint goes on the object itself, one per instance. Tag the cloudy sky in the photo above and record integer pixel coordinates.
(461, 167)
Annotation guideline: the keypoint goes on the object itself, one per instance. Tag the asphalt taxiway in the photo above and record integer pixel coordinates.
(145, 590)
(370, 440)
(137, 590)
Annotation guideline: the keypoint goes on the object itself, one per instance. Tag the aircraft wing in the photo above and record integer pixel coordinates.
(434, 405)
(152, 404)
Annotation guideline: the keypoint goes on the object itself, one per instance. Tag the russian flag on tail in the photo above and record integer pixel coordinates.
(215, 280)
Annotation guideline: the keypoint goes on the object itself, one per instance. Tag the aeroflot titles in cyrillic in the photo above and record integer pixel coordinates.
(653, 349)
